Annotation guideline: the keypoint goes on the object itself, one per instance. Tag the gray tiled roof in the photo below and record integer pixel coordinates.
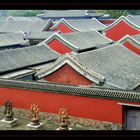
(23, 18)
(136, 37)
(85, 40)
(81, 24)
(17, 73)
(86, 24)
(119, 66)
(25, 26)
(115, 65)
(39, 35)
(64, 13)
(11, 39)
(1, 22)
(134, 40)
(72, 90)
(134, 23)
(135, 19)
(68, 59)
(94, 13)
(24, 57)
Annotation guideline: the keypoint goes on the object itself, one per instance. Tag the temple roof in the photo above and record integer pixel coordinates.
(82, 40)
(68, 59)
(81, 24)
(69, 13)
(39, 35)
(25, 26)
(134, 39)
(24, 57)
(134, 19)
(17, 74)
(63, 13)
(86, 39)
(123, 18)
(11, 39)
(94, 13)
(119, 66)
(22, 18)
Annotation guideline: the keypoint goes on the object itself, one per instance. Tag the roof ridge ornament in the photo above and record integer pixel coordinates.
(70, 60)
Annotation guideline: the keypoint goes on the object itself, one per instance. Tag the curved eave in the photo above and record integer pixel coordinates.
(130, 39)
(61, 39)
(122, 18)
(48, 24)
(67, 59)
(42, 43)
(99, 22)
(111, 41)
(66, 23)
(10, 45)
(136, 86)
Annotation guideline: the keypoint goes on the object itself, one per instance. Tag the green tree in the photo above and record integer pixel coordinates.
(118, 13)
(134, 12)
(114, 13)
(24, 12)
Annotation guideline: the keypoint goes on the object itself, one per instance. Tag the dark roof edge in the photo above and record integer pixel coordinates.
(72, 90)
(23, 67)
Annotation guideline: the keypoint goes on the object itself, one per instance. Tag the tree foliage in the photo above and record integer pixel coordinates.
(118, 13)
(25, 13)
(112, 13)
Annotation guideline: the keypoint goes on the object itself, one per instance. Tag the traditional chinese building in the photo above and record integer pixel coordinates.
(113, 107)
(132, 43)
(20, 18)
(66, 26)
(37, 37)
(69, 14)
(26, 26)
(96, 68)
(26, 74)
(89, 74)
(77, 41)
(19, 62)
(121, 27)
(12, 41)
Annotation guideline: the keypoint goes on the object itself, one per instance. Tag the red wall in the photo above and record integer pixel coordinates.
(68, 75)
(121, 29)
(131, 47)
(93, 108)
(107, 21)
(59, 47)
(63, 28)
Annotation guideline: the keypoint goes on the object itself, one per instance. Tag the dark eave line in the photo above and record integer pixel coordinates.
(72, 90)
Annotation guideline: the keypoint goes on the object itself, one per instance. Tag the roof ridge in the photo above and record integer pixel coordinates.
(102, 35)
(60, 38)
(67, 58)
(44, 44)
(118, 20)
(62, 20)
(131, 39)
(98, 21)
